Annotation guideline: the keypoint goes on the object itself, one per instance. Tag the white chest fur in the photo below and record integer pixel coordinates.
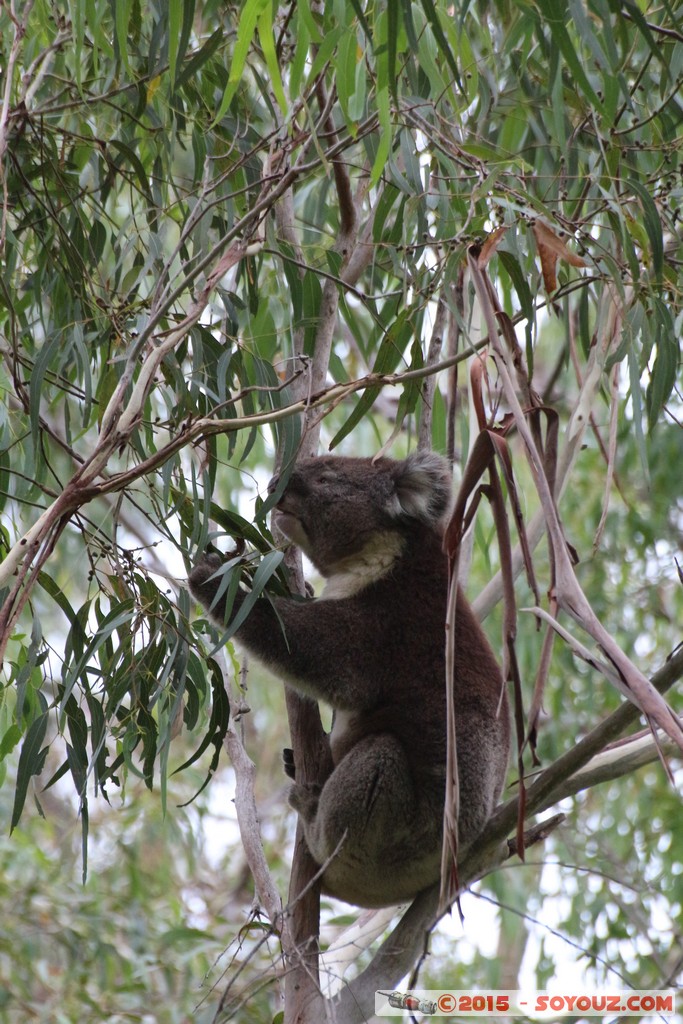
(341, 737)
(340, 726)
(363, 568)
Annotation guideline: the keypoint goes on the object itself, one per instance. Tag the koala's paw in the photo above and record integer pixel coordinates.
(304, 800)
(288, 763)
(207, 565)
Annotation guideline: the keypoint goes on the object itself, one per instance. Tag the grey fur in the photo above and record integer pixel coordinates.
(372, 646)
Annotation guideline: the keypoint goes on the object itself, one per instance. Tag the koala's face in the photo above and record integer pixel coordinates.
(333, 507)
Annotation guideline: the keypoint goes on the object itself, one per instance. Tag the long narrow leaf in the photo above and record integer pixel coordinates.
(555, 16)
(433, 19)
(31, 763)
(653, 226)
(251, 12)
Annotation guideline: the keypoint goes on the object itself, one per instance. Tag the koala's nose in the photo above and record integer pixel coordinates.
(273, 482)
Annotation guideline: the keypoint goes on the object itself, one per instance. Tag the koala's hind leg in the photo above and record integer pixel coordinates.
(368, 813)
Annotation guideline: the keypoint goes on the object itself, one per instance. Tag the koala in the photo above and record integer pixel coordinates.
(373, 647)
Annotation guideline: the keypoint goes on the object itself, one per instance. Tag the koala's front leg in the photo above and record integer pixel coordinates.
(325, 649)
(205, 589)
(221, 596)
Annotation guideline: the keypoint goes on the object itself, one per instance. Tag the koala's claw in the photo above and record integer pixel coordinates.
(288, 762)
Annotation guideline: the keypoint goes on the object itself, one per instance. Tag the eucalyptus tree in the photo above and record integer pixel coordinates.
(233, 233)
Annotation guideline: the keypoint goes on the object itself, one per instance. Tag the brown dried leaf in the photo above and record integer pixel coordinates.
(490, 245)
(551, 248)
(477, 377)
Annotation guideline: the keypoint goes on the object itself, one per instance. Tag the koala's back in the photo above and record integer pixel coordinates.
(373, 647)
(406, 690)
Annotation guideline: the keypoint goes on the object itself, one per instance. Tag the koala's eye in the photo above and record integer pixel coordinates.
(327, 476)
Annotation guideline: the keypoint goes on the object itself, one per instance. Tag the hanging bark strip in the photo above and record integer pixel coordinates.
(489, 448)
(570, 597)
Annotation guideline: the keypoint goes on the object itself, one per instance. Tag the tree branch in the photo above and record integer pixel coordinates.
(312, 757)
(247, 813)
(570, 773)
(428, 388)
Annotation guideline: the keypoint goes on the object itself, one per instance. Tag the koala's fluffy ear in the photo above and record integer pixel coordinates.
(423, 487)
